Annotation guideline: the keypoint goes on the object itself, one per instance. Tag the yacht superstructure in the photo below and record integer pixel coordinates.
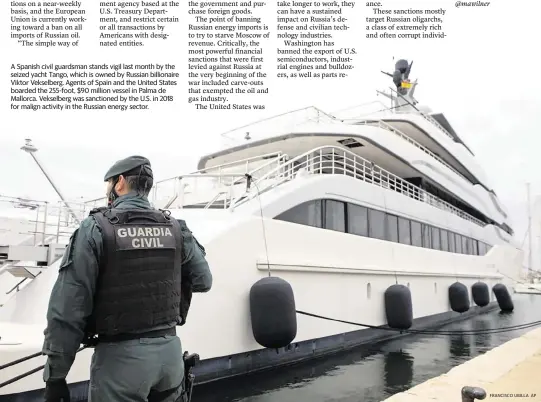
(341, 207)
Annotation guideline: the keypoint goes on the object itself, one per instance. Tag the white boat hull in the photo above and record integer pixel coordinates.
(345, 281)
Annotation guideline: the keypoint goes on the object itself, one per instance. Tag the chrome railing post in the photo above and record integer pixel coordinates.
(44, 224)
(36, 225)
(181, 192)
(58, 226)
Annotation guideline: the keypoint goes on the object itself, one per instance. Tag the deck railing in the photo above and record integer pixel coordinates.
(388, 127)
(229, 188)
(337, 160)
(50, 221)
(226, 185)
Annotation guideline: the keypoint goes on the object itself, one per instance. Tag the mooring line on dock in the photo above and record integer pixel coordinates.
(428, 331)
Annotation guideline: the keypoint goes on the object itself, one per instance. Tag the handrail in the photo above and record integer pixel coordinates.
(356, 166)
(94, 200)
(49, 219)
(207, 206)
(237, 162)
(386, 126)
(276, 116)
(237, 178)
(360, 105)
(381, 124)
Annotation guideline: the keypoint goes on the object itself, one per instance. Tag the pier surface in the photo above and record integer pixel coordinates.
(509, 372)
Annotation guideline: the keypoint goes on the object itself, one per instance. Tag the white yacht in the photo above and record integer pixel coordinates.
(340, 207)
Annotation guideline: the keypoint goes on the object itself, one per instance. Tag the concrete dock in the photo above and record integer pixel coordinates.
(509, 372)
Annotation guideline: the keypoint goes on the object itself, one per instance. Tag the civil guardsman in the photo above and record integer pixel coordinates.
(121, 279)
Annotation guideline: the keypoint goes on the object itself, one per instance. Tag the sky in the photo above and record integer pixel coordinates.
(483, 76)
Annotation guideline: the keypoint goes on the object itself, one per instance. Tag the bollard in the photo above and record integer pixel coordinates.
(470, 394)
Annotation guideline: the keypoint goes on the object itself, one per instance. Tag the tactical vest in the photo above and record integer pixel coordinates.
(139, 281)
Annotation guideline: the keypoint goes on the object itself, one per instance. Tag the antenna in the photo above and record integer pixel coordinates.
(404, 87)
(31, 149)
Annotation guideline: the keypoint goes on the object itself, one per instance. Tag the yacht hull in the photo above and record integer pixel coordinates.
(332, 274)
(246, 363)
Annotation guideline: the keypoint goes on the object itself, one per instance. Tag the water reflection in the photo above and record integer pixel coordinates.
(375, 373)
(482, 341)
(459, 345)
(398, 371)
(288, 380)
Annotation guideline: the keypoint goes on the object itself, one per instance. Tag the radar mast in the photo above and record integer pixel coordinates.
(402, 99)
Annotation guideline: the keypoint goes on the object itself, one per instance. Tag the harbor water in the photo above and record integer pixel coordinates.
(374, 373)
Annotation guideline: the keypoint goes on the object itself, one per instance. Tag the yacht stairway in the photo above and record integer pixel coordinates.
(31, 243)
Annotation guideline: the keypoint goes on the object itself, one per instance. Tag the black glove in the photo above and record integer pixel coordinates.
(57, 391)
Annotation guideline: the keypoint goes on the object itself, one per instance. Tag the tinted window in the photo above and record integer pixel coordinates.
(469, 243)
(404, 234)
(436, 239)
(482, 249)
(308, 213)
(444, 239)
(357, 220)
(335, 215)
(464, 245)
(416, 235)
(376, 224)
(392, 228)
(426, 235)
(331, 214)
(452, 247)
(458, 243)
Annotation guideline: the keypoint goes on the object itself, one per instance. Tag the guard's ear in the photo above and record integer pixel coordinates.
(121, 184)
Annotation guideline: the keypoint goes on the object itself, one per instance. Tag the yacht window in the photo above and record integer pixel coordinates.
(475, 247)
(482, 248)
(357, 220)
(376, 224)
(464, 245)
(416, 235)
(452, 242)
(436, 238)
(392, 228)
(444, 239)
(362, 221)
(458, 243)
(426, 235)
(335, 215)
(404, 234)
(307, 213)
(469, 243)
